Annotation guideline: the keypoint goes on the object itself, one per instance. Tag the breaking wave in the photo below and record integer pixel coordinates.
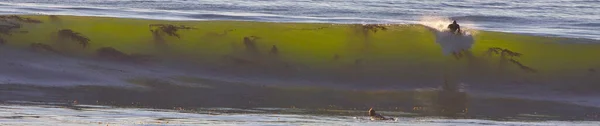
(74, 51)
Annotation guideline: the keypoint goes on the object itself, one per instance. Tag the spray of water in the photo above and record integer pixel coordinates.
(441, 24)
(451, 43)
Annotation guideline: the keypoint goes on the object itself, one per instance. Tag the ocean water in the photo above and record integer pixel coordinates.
(298, 62)
(82, 115)
(566, 18)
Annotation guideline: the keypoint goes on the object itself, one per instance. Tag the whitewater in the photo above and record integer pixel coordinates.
(309, 62)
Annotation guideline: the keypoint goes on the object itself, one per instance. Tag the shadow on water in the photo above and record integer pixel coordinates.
(192, 93)
(447, 101)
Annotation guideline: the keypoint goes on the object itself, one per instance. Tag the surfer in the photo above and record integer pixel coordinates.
(454, 27)
(375, 116)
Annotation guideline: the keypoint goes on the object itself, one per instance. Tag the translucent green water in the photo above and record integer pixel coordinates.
(401, 51)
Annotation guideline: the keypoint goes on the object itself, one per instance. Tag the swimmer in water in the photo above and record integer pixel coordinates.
(376, 116)
(454, 27)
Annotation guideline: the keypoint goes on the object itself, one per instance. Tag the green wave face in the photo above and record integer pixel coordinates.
(391, 54)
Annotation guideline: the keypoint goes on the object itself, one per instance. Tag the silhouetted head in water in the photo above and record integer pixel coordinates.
(376, 116)
(454, 22)
(372, 112)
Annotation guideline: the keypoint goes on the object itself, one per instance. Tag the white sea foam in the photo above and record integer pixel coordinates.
(35, 115)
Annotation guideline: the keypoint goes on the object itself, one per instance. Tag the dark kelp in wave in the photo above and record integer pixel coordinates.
(223, 33)
(114, 54)
(459, 54)
(168, 29)
(374, 27)
(309, 29)
(7, 28)
(75, 36)
(509, 55)
(250, 44)
(19, 19)
(41, 47)
(504, 52)
(11, 23)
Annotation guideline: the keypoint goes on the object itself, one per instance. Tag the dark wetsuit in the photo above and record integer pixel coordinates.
(454, 27)
(377, 116)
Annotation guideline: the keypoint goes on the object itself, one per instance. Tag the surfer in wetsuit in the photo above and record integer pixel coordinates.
(376, 116)
(454, 27)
